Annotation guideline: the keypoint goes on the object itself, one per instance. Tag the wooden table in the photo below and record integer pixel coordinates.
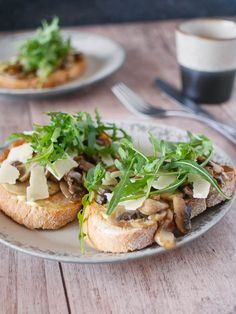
(197, 278)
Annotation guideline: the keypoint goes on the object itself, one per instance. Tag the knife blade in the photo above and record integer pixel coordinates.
(188, 104)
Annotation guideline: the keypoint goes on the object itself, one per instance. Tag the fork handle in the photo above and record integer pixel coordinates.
(213, 124)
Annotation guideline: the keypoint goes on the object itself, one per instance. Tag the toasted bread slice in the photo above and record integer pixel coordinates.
(70, 71)
(52, 213)
(108, 235)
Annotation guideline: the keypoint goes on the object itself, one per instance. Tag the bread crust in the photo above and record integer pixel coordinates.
(106, 235)
(52, 213)
(58, 77)
(214, 198)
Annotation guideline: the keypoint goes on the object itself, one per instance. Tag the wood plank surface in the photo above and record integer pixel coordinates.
(198, 278)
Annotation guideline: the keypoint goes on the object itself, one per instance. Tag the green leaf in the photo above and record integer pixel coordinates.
(118, 191)
(94, 178)
(92, 182)
(192, 167)
(69, 133)
(170, 189)
(44, 51)
(80, 217)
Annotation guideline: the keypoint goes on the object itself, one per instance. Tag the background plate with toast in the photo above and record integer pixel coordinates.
(103, 57)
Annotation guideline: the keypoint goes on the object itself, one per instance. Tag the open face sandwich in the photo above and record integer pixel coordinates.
(124, 200)
(45, 60)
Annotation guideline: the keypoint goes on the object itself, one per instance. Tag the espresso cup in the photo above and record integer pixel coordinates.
(206, 53)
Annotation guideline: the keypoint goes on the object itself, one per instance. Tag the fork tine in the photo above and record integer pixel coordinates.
(132, 97)
(128, 97)
(117, 91)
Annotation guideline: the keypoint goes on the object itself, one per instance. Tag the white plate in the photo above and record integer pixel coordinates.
(103, 57)
(63, 245)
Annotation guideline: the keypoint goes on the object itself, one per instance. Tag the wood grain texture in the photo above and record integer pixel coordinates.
(198, 278)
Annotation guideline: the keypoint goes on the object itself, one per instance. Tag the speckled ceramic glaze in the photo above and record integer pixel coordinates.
(63, 245)
(103, 57)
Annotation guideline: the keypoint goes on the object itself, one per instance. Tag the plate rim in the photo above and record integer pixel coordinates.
(130, 256)
(63, 88)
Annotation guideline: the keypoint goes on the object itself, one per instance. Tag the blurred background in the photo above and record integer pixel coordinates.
(18, 14)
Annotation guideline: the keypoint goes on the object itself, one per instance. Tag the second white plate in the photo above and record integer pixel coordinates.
(103, 56)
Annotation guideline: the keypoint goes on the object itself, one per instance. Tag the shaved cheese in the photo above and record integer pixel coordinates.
(20, 153)
(61, 167)
(130, 204)
(115, 174)
(133, 204)
(108, 196)
(107, 160)
(38, 188)
(163, 181)
(109, 179)
(201, 187)
(134, 179)
(8, 173)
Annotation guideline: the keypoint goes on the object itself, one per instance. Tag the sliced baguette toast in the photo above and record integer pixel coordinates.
(71, 71)
(52, 213)
(107, 235)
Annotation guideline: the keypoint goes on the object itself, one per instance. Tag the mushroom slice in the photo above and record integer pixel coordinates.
(128, 215)
(216, 167)
(182, 214)
(83, 164)
(169, 224)
(19, 188)
(165, 238)
(151, 206)
(169, 196)
(53, 187)
(23, 170)
(158, 217)
(65, 190)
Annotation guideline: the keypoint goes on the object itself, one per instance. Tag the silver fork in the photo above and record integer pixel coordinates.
(134, 103)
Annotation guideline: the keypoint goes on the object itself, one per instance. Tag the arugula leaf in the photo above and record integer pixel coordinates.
(167, 156)
(80, 217)
(92, 182)
(170, 189)
(44, 51)
(67, 133)
(118, 191)
(191, 166)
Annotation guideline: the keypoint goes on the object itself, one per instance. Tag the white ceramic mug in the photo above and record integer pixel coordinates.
(206, 53)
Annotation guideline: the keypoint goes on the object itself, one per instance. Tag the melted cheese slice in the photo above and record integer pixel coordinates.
(8, 173)
(163, 181)
(20, 153)
(62, 167)
(201, 187)
(38, 188)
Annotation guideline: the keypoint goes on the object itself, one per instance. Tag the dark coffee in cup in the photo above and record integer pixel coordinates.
(206, 52)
